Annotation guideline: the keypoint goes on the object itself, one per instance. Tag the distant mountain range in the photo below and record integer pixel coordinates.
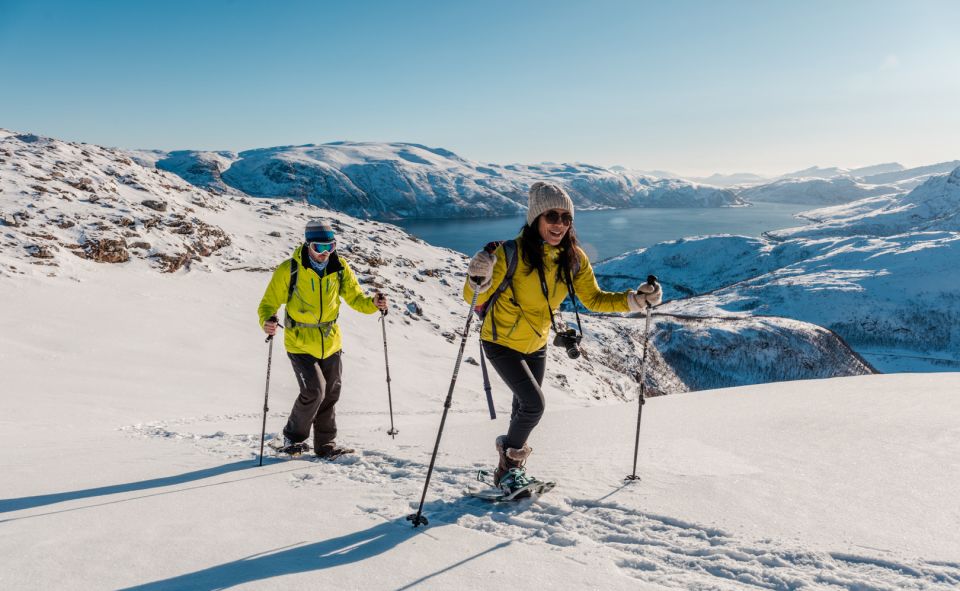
(400, 180)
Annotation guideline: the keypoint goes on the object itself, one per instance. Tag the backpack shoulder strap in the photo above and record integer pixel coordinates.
(510, 252)
(294, 268)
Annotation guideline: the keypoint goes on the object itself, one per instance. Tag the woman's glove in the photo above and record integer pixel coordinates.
(481, 270)
(646, 295)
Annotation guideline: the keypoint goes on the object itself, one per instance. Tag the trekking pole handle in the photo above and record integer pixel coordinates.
(276, 321)
(652, 280)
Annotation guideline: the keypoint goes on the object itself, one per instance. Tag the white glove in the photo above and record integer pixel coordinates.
(481, 266)
(645, 295)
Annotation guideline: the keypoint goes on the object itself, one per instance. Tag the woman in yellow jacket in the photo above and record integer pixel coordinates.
(516, 327)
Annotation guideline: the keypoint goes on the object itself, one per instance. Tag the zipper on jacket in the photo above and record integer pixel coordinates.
(323, 344)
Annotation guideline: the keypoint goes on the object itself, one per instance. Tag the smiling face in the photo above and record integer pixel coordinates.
(553, 233)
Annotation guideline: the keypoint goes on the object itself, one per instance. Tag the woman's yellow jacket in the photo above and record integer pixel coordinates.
(315, 300)
(522, 312)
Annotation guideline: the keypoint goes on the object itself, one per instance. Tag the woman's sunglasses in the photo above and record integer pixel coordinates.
(322, 247)
(555, 217)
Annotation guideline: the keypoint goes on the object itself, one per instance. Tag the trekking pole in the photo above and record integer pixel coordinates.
(651, 280)
(418, 518)
(266, 394)
(383, 324)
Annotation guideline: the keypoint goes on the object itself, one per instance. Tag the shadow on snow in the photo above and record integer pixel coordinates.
(17, 504)
(346, 549)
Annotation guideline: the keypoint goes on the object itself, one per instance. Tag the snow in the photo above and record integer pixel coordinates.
(131, 426)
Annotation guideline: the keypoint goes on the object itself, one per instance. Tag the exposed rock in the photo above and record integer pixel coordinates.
(170, 263)
(103, 250)
(43, 251)
(154, 204)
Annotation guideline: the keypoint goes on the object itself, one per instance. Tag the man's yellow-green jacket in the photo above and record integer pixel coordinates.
(315, 300)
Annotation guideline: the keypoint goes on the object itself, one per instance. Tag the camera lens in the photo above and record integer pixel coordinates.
(573, 352)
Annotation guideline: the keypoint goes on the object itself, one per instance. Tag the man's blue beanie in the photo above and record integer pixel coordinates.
(318, 231)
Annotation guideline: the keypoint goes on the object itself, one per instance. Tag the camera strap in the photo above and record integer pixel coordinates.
(573, 297)
(546, 294)
(565, 273)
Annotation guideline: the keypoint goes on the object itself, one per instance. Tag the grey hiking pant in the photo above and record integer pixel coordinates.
(319, 381)
(528, 403)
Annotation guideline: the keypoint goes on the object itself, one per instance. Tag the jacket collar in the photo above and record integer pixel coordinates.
(333, 265)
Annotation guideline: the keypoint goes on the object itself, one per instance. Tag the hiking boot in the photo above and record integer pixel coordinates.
(510, 458)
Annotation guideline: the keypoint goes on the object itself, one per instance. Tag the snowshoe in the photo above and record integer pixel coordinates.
(513, 486)
(332, 451)
(288, 448)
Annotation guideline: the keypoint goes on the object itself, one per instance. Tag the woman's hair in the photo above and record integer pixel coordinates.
(532, 246)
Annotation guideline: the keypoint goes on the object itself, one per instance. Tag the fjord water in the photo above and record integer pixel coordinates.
(609, 232)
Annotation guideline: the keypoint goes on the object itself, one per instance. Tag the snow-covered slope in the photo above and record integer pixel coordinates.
(131, 442)
(97, 204)
(400, 180)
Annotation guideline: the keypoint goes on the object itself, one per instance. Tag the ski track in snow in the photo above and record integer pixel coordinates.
(655, 549)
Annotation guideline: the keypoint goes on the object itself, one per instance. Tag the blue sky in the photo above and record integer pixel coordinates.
(692, 87)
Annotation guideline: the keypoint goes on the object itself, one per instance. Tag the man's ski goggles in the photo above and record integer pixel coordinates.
(322, 247)
(555, 217)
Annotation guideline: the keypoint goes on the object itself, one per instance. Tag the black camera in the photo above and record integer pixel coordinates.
(569, 340)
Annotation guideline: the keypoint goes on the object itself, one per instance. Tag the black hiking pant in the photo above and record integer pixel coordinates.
(319, 381)
(528, 403)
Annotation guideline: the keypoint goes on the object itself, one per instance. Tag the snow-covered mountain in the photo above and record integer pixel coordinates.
(932, 206)
(815, 191)
(881, 273)
(738, 179)
(818, 172)
(910, 177)
(399, 180)
(67, 207)
(832, 186)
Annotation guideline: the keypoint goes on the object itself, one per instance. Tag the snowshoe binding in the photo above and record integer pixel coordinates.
(513, 486)
(287, 447)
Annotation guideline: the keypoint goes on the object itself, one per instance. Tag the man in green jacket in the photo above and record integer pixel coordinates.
(310, 285)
